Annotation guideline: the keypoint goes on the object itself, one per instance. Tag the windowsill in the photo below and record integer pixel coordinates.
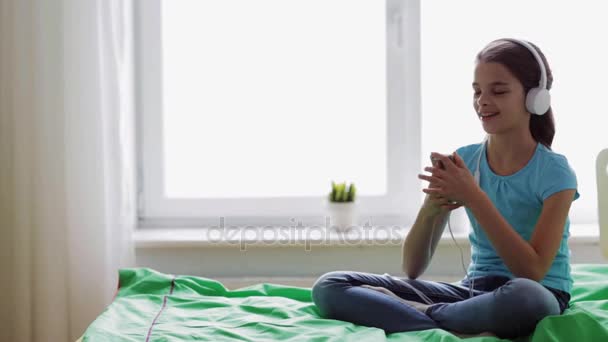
(291, 237)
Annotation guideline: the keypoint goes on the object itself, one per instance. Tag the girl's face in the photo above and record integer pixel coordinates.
(499, 99)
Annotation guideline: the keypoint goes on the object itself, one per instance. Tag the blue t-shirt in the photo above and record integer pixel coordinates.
(519, 198)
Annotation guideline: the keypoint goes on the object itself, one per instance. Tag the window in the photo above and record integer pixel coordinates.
(449, 45)
(249, 109)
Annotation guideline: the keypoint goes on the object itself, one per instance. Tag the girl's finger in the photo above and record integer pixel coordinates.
(437, 172)
(429, 179)
(437, 198)
(449, 207)
(458, 160)
(447, 162)
(433, 191)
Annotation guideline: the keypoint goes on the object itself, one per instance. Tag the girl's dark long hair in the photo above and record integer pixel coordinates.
(522, 64)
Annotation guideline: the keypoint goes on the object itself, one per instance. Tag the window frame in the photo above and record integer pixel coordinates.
(396, 207)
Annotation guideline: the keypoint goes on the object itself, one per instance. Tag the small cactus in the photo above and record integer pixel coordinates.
(342, 193)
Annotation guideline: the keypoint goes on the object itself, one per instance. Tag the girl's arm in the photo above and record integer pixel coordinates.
(531, 259)
(421, 241)
(419, 245)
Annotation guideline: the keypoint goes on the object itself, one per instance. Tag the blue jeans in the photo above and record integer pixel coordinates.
(505, 307)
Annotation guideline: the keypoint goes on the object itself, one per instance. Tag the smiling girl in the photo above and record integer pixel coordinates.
(517, 193)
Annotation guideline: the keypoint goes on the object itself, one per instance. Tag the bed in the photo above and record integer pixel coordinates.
(153, 306)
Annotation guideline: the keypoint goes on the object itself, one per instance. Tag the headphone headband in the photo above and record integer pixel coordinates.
(538, 100)
(542, 83)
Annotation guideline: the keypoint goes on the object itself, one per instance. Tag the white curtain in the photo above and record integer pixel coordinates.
(67, 173)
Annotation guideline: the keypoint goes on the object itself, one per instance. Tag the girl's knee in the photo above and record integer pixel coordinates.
(329, 281)
(326, 290)
(520, 304)
(529, 298)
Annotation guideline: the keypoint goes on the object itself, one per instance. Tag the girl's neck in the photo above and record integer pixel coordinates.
(508, 153)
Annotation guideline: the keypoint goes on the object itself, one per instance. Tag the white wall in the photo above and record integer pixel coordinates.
(296, 261)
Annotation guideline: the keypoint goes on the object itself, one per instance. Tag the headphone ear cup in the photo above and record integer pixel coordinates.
(538, 101)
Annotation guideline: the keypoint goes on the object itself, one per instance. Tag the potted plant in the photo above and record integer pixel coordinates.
(341, 206)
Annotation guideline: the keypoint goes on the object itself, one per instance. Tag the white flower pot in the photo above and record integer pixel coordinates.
(342, 215)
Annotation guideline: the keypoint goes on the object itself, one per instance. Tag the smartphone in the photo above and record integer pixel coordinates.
(438, 163)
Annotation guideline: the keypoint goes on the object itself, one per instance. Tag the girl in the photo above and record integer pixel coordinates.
(517, 194)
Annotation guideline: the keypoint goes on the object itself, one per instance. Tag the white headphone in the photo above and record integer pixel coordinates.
(538, 100)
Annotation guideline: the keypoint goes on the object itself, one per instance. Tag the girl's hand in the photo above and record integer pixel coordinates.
(437, 204)
(455, 183)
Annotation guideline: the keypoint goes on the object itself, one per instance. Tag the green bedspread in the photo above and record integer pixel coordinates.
(152, 306)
